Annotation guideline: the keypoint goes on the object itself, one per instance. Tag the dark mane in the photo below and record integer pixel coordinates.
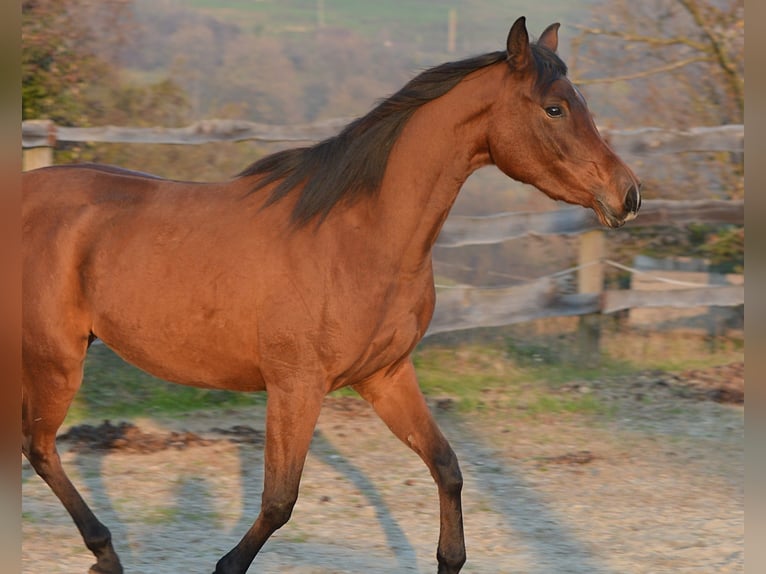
(549, 67)
(351, 164)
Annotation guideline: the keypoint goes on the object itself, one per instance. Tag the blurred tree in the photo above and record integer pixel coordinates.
(58, 61)
(669, 63)
(693, 47)
(71, 73)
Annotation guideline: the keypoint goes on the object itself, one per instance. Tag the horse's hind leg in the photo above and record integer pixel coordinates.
(48, 389)
(290, 419)
(398, 401)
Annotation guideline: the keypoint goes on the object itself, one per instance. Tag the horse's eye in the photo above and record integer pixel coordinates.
(554, 111)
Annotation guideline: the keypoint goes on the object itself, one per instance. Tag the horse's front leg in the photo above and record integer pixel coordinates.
(398, 401)
(291, 415)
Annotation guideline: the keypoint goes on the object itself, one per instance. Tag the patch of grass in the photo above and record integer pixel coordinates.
(556, 356)
(470, 375)
(505, 369)
(513, 368)
(671, 351)
(112, 388)
(551, 404)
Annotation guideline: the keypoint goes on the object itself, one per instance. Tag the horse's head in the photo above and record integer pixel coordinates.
(542, 133)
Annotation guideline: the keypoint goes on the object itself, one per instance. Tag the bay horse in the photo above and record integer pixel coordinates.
(309, 271)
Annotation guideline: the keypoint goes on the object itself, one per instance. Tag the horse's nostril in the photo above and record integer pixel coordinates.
(632, 200)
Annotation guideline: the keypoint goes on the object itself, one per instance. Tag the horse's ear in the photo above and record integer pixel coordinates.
(519, 51)
(550, 37)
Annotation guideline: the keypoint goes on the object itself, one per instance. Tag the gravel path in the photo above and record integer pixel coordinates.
(657, 486)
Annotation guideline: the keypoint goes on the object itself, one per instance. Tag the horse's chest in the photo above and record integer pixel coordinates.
(391, 331)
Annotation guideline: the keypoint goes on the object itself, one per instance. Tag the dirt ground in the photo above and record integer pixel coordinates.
(657, 485)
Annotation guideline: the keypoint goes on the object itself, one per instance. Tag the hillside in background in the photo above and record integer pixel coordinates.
(299, 60)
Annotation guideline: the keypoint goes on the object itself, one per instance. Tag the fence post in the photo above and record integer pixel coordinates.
(590, 279)
(42, 156)
(451, 30)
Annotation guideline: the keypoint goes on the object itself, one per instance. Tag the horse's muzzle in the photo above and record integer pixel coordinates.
(617, 215)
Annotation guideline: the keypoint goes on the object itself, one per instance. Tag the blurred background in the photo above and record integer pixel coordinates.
(676, 66)
(608, 343)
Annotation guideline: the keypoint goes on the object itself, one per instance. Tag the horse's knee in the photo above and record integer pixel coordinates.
(276, 513)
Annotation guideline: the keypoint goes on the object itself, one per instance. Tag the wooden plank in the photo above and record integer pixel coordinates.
(205, 131)
(669, 212)
(590, 279)
(469, 307)
(724, 296)
(653, 141)
(459, 230)
(40, 154)
(35, 157)
(640, 141)
(590, 275)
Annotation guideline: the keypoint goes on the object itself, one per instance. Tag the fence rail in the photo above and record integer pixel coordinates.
(466, 307)
(640, 141)
(460, 230)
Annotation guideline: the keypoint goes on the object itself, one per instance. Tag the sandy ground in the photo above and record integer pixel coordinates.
(656, 486)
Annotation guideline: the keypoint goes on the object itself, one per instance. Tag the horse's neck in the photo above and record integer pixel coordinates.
(441, 145)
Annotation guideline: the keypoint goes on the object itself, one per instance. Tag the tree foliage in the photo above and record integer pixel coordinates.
(58, 62)
(71, 72)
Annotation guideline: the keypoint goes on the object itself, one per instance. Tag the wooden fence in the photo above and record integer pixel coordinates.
(641, 141)
(465, 307)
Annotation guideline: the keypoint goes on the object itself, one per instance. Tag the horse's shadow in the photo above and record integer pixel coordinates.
(528, 516)
(193, 499)
(322, 449)
(525, 512)
(396, 538)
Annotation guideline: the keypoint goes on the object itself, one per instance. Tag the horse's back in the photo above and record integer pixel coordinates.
(56, 187)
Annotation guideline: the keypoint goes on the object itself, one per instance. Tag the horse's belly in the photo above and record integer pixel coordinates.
(199, 361)
(178, 326)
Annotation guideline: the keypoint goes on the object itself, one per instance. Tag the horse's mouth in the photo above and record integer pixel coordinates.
(609, 219)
